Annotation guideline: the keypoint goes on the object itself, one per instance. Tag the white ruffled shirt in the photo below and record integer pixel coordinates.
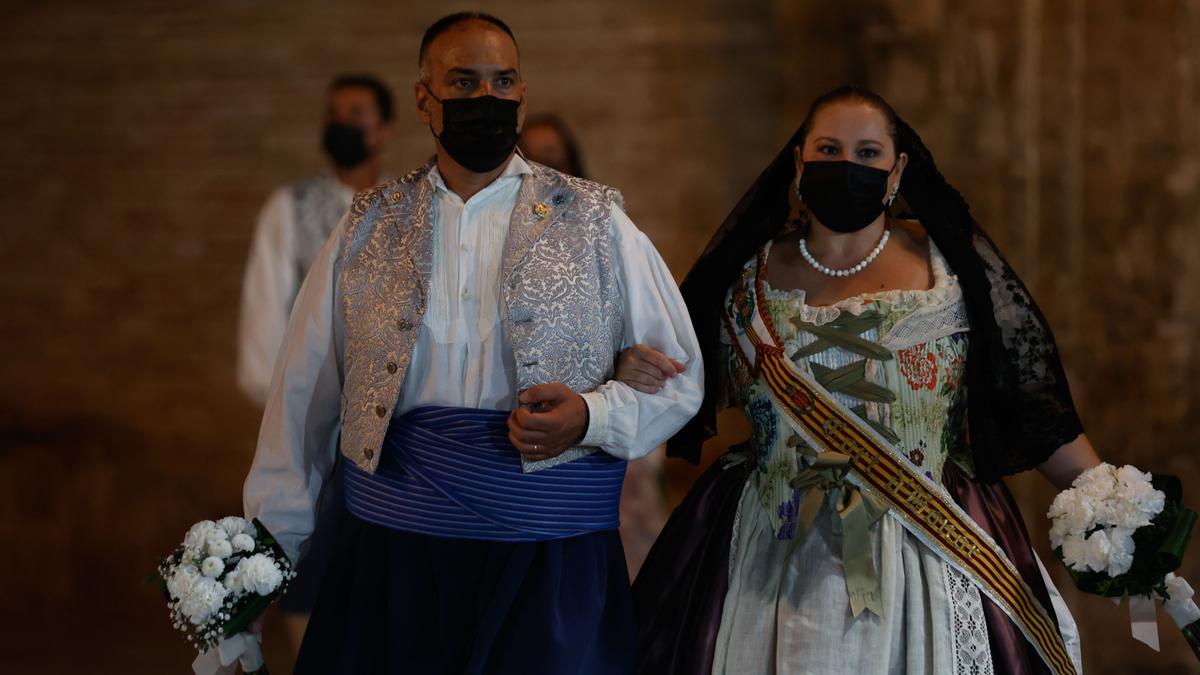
(462, 356)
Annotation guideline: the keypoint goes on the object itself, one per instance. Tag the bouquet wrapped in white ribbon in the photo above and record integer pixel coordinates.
(223, 576)
(1121, 533)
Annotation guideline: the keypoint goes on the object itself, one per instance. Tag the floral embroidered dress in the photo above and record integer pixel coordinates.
(897, 359)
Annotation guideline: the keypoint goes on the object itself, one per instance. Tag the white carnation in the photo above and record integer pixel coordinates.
(1074, 552)
(1097, 485)
(1103, 470)
(212, 566)
(1073, 508)
(220, 548)
(1131, 475)
(1138, 502)
(1130, 515)
(181, 582)
(1106, 512)
(1059, 529)
(1121, 553)
(243, 543)
(204, 599)
(1097, 551)
(1061, 503)
(1154, 503)
(259, 574)
(1133, 483)
(233, 526)
(196, 540)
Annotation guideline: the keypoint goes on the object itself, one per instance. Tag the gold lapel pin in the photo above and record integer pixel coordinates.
(540, 210)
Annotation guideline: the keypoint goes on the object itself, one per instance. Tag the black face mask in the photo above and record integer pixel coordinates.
(479, 132)
(844, 196)
(345, 145)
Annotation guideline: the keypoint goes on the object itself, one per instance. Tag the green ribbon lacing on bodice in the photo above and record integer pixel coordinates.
(827, 472)
(846, 332)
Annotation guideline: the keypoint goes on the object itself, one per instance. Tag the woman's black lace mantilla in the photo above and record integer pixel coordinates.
(1019, 408)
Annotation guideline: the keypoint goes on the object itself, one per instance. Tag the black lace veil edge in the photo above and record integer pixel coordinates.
(1019, 405)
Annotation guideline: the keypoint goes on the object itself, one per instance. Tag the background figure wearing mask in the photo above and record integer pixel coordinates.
(297, 219)
(546, 139)
(291, 230)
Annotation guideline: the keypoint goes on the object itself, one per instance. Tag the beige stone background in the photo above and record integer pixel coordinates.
(138, 139)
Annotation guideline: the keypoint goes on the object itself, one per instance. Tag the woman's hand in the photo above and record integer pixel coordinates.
(646, 370)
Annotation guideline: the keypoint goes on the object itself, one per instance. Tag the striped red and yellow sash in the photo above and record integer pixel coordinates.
(921, 505)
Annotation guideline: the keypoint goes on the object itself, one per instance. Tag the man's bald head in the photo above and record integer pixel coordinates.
(467, 55)
(448, 23)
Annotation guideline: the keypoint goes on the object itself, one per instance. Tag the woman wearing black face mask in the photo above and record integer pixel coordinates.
(860, 531)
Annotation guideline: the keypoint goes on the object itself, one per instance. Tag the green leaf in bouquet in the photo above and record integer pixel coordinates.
(1170, 486)
(264, 536)
(1175, 543)
(250, 609)
(254, 606)
(1176, 526)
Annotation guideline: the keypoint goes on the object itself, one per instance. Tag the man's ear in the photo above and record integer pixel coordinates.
(422, 100)
(521, 108)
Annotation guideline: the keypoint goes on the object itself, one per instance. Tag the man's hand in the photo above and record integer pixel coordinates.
(646, 369)
(550, 419)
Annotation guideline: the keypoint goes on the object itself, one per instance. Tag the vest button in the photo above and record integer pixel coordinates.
(392, 367)
(368, 453)
(380, 410)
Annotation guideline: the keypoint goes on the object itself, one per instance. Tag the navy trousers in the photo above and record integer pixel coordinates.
(394, 602)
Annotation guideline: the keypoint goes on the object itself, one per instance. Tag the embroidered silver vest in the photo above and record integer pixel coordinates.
(562, 308)
(319, 205)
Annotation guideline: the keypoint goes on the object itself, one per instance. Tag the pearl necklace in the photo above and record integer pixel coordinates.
(846, 272)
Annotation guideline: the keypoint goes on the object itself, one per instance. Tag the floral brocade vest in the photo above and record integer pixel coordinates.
(561, 305)
(896, 358)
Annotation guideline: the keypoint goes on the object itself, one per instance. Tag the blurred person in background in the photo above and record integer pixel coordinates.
(546, 139)
(292, 227)
(297, 219)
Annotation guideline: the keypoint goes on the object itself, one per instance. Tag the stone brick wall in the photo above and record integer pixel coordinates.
(141, 138)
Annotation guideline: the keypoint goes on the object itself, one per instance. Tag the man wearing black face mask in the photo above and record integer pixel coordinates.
(456, 341)
(297, 219)
(291, 229)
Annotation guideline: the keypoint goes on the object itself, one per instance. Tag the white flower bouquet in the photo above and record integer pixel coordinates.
(220, 580)
(1121, 534)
